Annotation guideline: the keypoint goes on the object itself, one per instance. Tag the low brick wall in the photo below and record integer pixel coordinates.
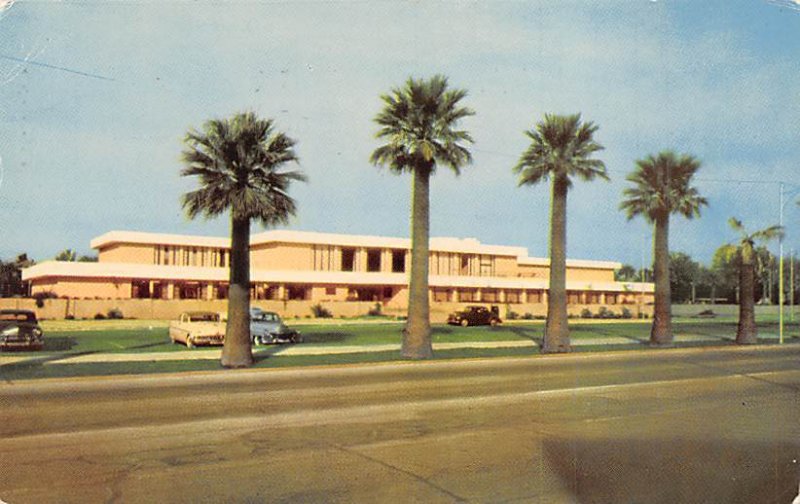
(161, 309)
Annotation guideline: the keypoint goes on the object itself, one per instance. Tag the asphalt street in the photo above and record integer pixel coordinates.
(674, 426)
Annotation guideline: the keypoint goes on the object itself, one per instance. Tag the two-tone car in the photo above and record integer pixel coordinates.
(267, 328)
(19, 329)
(474, 315)
(198, 328)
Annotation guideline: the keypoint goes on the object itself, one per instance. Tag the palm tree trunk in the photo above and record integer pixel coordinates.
(556, 331)
(417, 332)
(661, 333)
(237, 352)
(746, 332)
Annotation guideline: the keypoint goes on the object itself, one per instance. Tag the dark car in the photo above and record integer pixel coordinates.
(20, 329)
(475, 315)
(267, 328)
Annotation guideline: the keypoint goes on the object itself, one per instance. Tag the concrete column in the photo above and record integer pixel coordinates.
(170, 290)
(151, 288)
(386, 261)
(545, 297)
(455, 298)
(361, 260)
(602, 298)
(282, 292)
(209, 291)
(501, 295)
(479, 295)
(337, 259)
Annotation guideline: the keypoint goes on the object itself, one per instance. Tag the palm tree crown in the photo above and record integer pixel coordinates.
(662, 187)
(419, 122)
(561, 147)
(762, 235)
(236, 161)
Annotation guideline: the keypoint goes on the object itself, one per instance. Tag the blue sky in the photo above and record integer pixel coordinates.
(92, 118)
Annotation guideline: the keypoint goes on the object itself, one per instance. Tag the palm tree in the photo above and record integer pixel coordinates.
(662, 186)
(561, 149)
(419, 121)
(237, 161)
(746, 331)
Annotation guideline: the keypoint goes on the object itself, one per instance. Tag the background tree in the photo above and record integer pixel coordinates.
(661, 187)
(237, 162)
(67, 255)
(419, 122)
(725, 266)
(561, 149)
(626, 273)
(746, 332)
(11, 283)
(683, 277)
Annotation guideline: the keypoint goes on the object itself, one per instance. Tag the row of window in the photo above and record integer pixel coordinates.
(333, 258)
(191, 256)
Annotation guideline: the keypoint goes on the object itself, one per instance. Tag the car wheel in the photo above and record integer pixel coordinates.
(493, 322)
(189, 342)
(297, 338)
(464, 323)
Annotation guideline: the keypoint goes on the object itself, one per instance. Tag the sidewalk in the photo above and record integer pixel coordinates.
(314, 350)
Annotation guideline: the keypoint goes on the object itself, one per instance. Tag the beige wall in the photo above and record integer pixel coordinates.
(282, 256)
(85, 288)
(528, 271)
(590, 275)
(126, 253)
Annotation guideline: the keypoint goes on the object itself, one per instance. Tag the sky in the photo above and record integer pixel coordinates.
(96, 97)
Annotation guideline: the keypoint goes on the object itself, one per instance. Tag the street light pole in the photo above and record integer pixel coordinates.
(780, 275)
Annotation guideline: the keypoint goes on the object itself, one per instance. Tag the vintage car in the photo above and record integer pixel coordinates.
(19, 329)
(198, 328)
(267, 328)
(475, 315)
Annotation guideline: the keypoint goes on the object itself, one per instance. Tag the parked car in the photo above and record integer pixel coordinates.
(198, 328)
(475, 315)
(267, 328)
(20, 329)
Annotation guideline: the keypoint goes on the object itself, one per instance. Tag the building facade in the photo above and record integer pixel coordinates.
(307, 267)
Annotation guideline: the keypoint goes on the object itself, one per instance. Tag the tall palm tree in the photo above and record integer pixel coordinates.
(746, 331)
(661, 187)
(418, 122)
(561, 149)
(238, 162)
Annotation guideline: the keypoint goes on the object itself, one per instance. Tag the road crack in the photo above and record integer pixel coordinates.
(422, 479)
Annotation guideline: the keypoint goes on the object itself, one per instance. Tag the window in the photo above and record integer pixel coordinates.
(512, 296)
(373, 260)
(611, 299)
(330, 291)
(166, 255)
(398, 261)
(467, 295)
(489, 296)
(441, 295)
(221, 258)
(348, 259)
(297, 292)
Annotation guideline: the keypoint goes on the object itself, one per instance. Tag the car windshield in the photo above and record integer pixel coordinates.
(17, 317)
(266, 317)
(204, 317)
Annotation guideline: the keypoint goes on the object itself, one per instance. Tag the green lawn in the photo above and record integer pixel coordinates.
(75, 338)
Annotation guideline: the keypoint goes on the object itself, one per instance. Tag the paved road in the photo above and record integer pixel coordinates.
(673, 426)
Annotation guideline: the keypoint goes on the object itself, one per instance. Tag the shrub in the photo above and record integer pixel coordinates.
(586, 313)
(114, 313)
(41, 296)
(512, 315)
(375, 311)
(320, 311)
(527, 316)
(70, 317)
(605, 313)
(99, 316)
(626, 314)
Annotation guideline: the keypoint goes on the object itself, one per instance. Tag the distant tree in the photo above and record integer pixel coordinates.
(662, 187)
(725, 267)
(683, 276)
(746, 332)
(419, 123)
(87, 258)
(238, 162)
(11, 283)
(626, 273)
(561, 149)
(67, 255)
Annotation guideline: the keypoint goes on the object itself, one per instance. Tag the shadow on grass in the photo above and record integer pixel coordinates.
(325, 337)
(534, 336)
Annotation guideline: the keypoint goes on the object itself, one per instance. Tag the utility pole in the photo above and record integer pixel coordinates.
(780, 274)
(791, 285)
